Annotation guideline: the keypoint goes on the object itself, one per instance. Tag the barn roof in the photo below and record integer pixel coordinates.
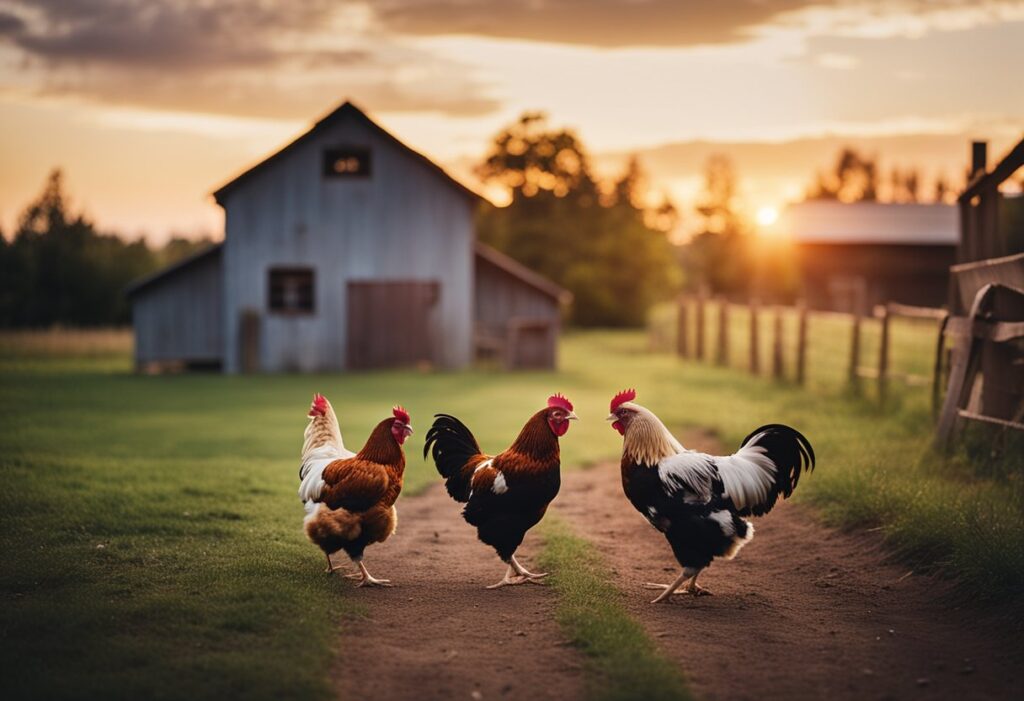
(871, 223)
(521, 272)
(346, 109)
(172, 269)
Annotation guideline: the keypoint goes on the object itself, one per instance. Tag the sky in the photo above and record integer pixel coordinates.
(149, 105)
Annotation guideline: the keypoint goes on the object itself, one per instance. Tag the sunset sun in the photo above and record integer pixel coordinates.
(766, 216)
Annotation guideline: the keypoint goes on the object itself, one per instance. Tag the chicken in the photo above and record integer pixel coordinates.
(507, 494)
(350, 497)
(697, 500)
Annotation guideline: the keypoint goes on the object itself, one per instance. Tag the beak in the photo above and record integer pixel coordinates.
(572, 417)
(408, 429)
(612, 417)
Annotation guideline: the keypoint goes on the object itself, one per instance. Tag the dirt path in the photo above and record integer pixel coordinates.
(804, 612)
(439, 634)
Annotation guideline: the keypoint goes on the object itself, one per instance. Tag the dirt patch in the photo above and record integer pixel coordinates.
(804, 612)
(438, 634)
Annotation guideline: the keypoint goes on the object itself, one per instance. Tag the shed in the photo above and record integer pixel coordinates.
(854, 256)
(345, 250)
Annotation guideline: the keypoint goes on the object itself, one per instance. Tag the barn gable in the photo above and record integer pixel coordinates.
(396, 221)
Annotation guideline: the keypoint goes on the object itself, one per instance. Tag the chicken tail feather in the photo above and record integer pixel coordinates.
(791, 453)
(453, 448)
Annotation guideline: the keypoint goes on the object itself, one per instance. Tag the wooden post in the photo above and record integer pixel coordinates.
(723, 332)
(883, 356)
(777, 365)
(855, 352)
(700, 325)
(682, 341)
(801, 343)
(755, 364)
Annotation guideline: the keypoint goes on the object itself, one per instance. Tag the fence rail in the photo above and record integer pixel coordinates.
(793, 343)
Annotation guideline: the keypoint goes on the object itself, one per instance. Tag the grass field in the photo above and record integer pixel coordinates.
(151, 528)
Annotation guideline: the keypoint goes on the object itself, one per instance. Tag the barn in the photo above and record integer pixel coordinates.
(854, 256)
(345, 250)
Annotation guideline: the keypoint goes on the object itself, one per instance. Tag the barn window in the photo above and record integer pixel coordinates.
(346, 162)
(291, 290)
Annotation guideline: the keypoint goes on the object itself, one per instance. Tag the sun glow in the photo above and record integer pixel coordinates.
(766, 216)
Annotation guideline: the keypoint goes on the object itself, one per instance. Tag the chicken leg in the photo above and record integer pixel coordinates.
(511, 577)
(523, 572)
(673, 588)
(369, 581)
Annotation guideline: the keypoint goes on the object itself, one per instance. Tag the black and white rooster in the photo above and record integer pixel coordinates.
(696, 499)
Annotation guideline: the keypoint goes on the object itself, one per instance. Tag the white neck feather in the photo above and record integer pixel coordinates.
(647, 441)
(321, 431)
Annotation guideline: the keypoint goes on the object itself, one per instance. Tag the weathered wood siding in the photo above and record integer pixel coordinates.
(505, 311)
(500, 297)
(917, 275)
(178, 318)
(402, 223)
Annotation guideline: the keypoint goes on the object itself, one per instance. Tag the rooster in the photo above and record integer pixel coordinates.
(697, 500)
(350, 497)
(507, 494)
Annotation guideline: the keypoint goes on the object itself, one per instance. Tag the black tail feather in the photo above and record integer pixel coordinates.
(790, 451)
(452, 445)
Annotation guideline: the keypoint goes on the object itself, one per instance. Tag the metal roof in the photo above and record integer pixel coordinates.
(827, 222)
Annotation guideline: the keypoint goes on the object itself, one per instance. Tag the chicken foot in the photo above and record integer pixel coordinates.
(369, 581)
(523, 572)
(689, 574)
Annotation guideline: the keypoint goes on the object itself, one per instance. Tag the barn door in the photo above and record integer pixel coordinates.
(389, 323)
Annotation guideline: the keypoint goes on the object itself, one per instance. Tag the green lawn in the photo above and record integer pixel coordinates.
(151, 530)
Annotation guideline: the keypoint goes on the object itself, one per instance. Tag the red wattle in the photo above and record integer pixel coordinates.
(619, 427)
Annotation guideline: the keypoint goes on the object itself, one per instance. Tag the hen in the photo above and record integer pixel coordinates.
(507, 494)
(350, 497)
(696, 500)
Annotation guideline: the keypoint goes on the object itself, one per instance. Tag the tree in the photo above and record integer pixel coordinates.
(58, 269)
(598, 240)
(854, 179)
(719, 256)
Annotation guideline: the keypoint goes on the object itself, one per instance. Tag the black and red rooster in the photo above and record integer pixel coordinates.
(507, 494)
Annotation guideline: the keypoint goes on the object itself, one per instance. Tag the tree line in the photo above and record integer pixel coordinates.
(58, 269)
(605, 240)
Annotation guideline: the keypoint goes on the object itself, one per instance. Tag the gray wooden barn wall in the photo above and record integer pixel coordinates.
(178, 318)
(499, 296)
(401, 223)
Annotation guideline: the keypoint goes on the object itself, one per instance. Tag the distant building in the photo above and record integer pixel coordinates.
(853, 256)
(344, 250)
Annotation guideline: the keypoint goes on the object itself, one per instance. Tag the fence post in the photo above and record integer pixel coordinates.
(682, 342)
(723, 331)
(700, 325)
(883, 356)
(755, 364)
(801, 343)
(855, 352)
(777, 365)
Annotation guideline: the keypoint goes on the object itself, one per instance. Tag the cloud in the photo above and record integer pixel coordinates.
(161, 33)
(275, 58)
(673, 23)
(606, 23)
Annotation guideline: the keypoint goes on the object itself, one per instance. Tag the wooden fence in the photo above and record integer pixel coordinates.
(700, 319)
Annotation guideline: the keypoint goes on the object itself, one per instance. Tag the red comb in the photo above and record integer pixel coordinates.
(557, 400)
(320, 405)
(626, 395)
(401, 414)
